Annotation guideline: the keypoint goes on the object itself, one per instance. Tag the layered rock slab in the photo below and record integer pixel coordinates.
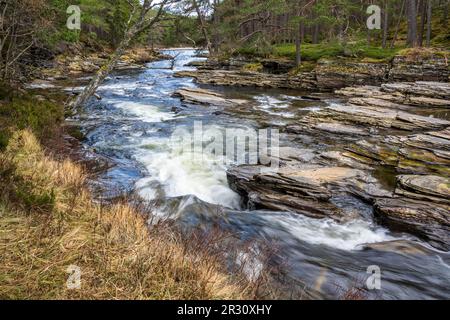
(303, 190)
(206, 97)
(420, 206)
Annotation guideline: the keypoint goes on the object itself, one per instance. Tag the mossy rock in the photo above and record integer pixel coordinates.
(253, 67)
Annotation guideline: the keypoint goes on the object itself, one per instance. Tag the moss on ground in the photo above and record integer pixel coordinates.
(357, 50)
(23, 110)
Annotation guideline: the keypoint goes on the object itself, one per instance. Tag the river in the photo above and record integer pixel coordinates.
(133, 125)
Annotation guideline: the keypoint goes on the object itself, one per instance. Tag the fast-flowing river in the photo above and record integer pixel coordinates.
(133, 126)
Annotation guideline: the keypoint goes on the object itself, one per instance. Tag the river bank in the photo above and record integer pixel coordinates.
(61, 241)
(54, 223)
(327, 74)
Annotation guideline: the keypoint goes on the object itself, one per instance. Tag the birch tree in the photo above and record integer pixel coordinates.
(142, 17)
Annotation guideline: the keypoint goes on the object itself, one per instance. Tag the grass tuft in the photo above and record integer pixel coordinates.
(53, 223)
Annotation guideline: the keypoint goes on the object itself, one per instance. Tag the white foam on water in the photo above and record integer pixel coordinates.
(147, 113)
(268, 110)
(181, 176)
(184, 172)
(346, 236)
(41, 85)
(268, 102)
(120, 88)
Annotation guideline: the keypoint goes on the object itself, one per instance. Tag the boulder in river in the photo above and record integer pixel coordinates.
(285, 191)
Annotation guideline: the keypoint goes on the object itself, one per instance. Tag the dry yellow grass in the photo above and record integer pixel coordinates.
(48, 222)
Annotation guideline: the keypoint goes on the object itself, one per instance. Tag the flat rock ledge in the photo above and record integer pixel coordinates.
(303, 189)
(378, 117)
(327, 75)
(242, 78)
(206, 97)
(397, 95)
(425, 153)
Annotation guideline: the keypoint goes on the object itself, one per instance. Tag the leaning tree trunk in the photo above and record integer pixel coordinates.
(132, 31)
(103, 72)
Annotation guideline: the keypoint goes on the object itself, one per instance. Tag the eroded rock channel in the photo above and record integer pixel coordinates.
(363, 176)
(305, 184)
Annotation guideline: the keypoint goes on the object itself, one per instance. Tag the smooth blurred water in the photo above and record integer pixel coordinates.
(133, 125)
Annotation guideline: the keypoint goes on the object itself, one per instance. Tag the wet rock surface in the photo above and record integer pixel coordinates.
(359, 137)
(397, 95)
(251, 79)
(425, 68)
(205, 97)
(327, 75)
(430, 222)
(421, 205)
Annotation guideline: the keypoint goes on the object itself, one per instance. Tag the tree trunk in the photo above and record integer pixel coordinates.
(202, 25)
(386, 23)
(394, 39)
(216, 42)
(298, 45)
(423, 8)
(445, 13)
(315, 37)
(411, 10)
(132, 31)
(429, 22)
